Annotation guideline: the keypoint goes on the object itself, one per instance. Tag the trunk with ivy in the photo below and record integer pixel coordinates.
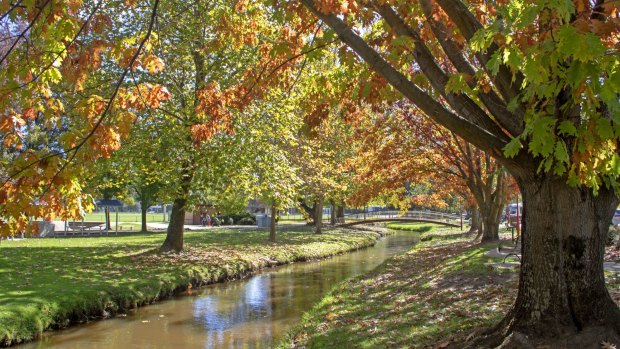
(308, 210)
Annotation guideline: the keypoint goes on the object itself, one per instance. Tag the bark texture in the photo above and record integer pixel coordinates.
(562, 295)
(174, 235)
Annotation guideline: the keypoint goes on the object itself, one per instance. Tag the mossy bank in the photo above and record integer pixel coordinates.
(53, 283)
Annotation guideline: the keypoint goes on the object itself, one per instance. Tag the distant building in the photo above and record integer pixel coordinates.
(256, 206)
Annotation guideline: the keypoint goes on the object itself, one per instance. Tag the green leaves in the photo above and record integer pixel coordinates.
(581, 46)
(513, 147)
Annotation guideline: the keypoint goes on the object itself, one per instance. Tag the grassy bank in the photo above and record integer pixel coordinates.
(52, 283)
(435, 295)
(415, 227)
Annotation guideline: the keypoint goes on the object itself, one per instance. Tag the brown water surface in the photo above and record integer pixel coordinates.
(250, 313)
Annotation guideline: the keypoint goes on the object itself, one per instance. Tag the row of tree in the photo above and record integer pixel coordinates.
(267, 92)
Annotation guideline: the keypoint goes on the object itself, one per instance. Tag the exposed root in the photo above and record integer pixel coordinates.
(588, 338)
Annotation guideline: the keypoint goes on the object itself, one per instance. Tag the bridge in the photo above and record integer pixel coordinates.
(446, 219)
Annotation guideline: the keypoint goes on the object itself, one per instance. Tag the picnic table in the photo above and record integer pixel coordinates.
(85, 228)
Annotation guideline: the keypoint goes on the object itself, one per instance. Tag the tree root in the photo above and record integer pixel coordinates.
(588, 338)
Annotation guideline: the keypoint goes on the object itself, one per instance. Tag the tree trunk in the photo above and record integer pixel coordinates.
(332, 219)
(143, 209)
(174, 235)
(310, 210)
(108, 225)
(475, 221)
(318, 216)
(340, 213)
(562, 295)
(272, 229)
(491, 215)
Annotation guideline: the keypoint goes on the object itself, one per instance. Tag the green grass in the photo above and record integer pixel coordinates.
(124, 217)
(436, 290)
(51, 283)
(415, 227)
(432, 296)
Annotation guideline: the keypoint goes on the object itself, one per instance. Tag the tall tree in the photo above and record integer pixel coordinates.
(536, 85)
(62, 72)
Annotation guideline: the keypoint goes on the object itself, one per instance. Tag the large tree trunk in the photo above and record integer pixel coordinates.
(174, 235)
(272, 229)
(562, 295)
(318, 216)
(332, 219)
(491, 215)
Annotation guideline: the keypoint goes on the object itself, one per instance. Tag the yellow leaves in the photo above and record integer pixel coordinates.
(337, 6)
(153, 64)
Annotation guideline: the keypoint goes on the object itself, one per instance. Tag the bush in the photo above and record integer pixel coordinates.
(247, 221)
(237, 217)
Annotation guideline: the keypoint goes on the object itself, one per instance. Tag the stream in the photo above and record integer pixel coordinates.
(255, 312)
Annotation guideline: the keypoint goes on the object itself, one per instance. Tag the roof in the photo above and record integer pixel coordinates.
(109, 203)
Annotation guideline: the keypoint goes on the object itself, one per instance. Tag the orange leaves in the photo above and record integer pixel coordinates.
(153, 64)
(10, 123)
(106, 140)
(214, 108)
(141, 97)
(337, 6)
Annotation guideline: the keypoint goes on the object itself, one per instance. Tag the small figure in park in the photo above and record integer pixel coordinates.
(208, 219)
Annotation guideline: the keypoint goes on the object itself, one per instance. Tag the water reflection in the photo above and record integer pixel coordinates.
(250, 313)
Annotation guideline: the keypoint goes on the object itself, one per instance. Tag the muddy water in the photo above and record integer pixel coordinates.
(251, 313)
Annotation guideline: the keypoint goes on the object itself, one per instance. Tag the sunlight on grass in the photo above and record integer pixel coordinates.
(54, 282)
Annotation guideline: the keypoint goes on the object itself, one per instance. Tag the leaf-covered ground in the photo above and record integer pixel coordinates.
(50, 283)
(430, 297)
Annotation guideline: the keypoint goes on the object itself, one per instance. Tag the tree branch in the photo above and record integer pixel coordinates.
(468, 25)
(468, 130)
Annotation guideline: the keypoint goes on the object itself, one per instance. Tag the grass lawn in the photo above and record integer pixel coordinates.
(415, 227)
(435, 295)
(51, 283)
(124, 217)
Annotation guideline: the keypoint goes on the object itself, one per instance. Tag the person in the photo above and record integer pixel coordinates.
(208, 219)
(203, 219)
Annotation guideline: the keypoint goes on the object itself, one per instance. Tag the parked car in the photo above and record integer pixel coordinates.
(511, 213)
(616, 219)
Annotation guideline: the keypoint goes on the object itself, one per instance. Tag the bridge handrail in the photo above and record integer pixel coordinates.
(430, 215)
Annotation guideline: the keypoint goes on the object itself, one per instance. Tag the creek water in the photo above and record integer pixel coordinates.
(254, 312)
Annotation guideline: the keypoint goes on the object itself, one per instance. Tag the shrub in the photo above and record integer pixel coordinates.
(247, 221)
(238, 216)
